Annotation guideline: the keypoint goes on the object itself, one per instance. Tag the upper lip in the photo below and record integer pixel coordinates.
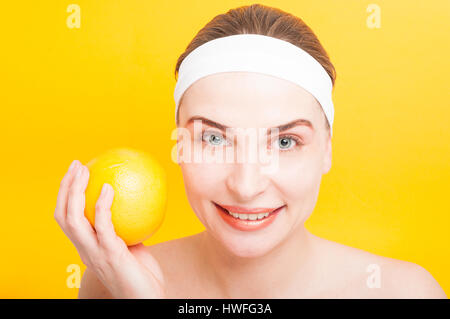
(245, 210)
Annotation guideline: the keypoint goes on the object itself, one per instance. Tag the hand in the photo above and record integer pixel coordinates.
(127, 272)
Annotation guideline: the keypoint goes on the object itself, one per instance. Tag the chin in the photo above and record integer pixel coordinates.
(248, 245)
(249, 252)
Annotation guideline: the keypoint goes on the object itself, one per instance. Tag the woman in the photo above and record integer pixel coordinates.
(255, 244)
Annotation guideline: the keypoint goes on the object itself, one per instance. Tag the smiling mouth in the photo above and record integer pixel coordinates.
(249, 216)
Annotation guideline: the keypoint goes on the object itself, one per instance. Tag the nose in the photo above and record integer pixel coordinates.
(246, 181)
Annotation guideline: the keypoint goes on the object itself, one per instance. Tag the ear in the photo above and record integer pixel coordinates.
(327, 155)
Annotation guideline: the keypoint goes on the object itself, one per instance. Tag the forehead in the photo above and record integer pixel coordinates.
(248, 99)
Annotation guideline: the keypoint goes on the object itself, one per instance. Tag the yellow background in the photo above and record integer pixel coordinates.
(73, 93)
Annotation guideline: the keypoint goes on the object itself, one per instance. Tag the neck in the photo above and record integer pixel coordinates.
(269, 276)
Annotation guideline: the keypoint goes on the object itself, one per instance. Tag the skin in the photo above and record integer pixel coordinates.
(118, 271)
(283, 260)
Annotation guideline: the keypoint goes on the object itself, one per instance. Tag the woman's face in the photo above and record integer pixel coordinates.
(246, 103)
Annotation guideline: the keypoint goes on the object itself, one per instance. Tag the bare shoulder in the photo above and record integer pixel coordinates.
(410, 280)
(179, 262)
(92, 288)
(175, 249)
(362, 274)
(169, 254)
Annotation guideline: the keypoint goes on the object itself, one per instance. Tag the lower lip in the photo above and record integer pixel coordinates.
(248, 225)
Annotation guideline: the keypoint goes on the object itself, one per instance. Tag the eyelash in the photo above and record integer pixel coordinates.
(297, 140)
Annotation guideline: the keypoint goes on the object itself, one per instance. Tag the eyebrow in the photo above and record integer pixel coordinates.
(281, 128)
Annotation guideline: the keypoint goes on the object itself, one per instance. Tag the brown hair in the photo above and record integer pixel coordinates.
(264, 20)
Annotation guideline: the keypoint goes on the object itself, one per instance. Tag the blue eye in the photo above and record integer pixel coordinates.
(286, 142)
(213, 138)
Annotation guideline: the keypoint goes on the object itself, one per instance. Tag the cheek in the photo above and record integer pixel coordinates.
(203, 180)
(203, 183)
(298, 176)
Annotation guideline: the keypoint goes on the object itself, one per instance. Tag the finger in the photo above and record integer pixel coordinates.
(61, 201)
(76, 223)
(104, 227)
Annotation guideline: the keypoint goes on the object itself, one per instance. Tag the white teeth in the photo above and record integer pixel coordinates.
(249, 216)
(262, 215)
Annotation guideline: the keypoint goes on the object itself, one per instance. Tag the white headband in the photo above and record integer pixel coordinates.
(260, 54)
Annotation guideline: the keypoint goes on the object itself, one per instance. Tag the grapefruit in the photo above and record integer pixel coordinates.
(140, 192)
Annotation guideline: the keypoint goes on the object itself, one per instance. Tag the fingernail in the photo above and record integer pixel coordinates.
(72, 165)
(80, 170)
(104, 189)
